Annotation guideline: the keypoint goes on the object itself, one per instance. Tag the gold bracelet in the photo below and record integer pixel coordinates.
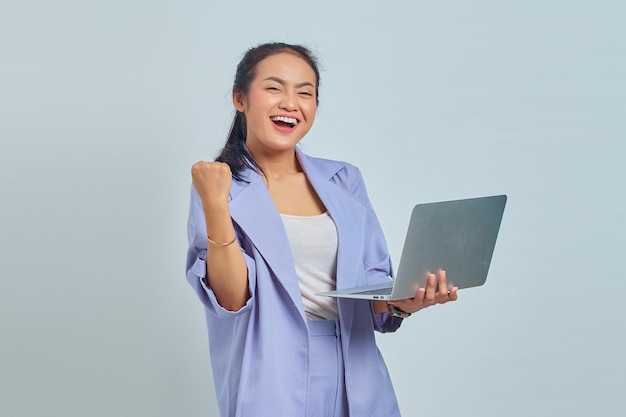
(221, 243)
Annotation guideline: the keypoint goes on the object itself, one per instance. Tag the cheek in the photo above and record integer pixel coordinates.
(257, 99)
(311, 111)
(253, 95)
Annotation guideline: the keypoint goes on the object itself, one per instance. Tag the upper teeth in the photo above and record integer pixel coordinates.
(289, 120)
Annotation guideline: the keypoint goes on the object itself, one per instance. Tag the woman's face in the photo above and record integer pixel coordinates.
(280, 105)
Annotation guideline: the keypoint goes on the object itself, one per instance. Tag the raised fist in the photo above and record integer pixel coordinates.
(212, 181)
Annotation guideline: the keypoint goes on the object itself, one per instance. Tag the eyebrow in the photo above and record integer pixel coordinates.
(282, 82)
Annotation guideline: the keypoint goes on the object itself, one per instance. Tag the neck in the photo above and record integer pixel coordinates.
(278, 164)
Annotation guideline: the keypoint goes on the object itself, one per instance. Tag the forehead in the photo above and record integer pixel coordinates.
(286, 66)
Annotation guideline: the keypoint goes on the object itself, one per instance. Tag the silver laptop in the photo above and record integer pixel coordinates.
(456, 236)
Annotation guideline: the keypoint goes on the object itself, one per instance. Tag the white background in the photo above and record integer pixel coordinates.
(104, 106)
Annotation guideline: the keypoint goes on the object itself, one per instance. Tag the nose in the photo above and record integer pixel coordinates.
(289, 101)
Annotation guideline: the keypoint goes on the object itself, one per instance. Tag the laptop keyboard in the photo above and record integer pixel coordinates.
(379, 291)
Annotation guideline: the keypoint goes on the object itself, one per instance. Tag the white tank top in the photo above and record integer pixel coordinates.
(313, 242)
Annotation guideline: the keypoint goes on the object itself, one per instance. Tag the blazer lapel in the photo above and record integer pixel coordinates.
(349, 216)
(252, 208)
(347, 212)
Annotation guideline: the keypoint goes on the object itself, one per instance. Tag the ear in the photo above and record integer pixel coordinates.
(239, 101)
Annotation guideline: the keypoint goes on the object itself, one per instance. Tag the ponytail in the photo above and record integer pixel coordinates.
(235, 153)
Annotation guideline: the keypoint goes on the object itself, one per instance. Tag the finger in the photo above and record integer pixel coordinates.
(442, 286)
(420, 294)
(417, 302)
(225, 167)
(431, 287)
(453, 295)
(196, 167)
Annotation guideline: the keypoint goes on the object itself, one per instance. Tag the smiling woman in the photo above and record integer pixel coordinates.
(269, 228)
(279, 106)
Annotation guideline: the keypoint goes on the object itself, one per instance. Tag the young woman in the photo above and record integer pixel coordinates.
(269, 227)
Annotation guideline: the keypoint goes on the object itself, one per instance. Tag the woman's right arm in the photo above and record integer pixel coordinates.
(226, 270)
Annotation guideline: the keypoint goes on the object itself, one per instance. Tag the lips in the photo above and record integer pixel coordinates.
(284, 122)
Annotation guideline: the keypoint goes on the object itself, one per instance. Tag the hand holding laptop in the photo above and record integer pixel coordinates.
(436, 292)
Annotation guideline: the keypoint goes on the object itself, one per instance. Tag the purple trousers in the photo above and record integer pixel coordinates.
(327, 388)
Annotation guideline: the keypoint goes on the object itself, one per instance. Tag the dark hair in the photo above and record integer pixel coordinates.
(234, 152)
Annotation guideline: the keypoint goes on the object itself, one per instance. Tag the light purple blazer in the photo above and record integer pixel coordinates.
(259, 354)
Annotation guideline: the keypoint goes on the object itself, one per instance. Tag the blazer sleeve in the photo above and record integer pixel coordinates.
(196, 262)
(376, 260)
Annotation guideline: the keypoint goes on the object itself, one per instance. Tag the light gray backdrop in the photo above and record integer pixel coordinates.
(104, 106)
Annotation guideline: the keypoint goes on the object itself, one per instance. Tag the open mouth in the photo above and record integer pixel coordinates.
(284, 121)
